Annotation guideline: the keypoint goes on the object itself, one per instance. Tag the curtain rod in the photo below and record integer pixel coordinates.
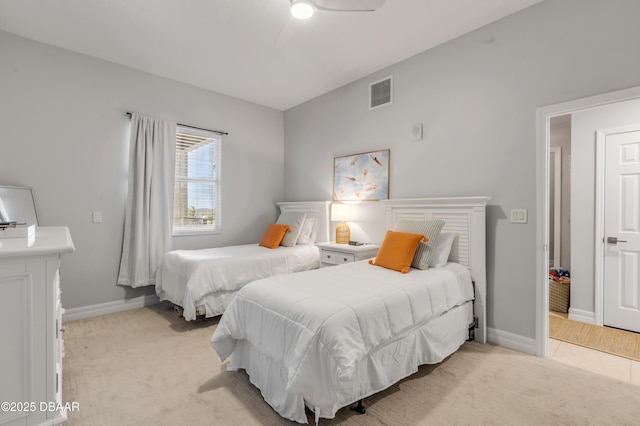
(219, 132)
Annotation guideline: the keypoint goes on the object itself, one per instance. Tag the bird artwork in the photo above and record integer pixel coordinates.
(361, 176)
(374, 158)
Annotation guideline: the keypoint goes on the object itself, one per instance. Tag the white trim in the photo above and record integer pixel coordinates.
(543, 115)
(82, 312)
(511, 341)
(582, 316)
(599, 230)
(557, 204)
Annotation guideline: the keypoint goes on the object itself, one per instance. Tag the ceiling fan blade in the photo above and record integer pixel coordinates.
(348, 5)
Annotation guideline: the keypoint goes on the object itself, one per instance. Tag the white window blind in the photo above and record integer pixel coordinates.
(196, 205)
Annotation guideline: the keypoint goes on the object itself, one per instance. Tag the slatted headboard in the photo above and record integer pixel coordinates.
(317, 209)
(467, 217)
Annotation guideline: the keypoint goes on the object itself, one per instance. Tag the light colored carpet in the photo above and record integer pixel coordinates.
(148, 367)
(605, 339)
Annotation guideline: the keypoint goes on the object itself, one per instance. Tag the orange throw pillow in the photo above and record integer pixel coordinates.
(273, 235)
(397, 250)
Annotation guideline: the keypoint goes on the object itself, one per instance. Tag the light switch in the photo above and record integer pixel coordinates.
(518, 215)
(97, 217)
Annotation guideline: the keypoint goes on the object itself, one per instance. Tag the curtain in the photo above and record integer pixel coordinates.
(149, 214)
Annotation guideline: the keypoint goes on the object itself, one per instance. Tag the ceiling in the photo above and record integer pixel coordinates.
(250, 49)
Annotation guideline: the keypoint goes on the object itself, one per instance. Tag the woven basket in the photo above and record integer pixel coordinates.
(559, 296)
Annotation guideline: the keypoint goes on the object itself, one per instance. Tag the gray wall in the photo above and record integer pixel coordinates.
(63, 132)
(584, 125)
(477, 97)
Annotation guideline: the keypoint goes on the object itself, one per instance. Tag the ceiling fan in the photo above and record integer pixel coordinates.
(303, 9)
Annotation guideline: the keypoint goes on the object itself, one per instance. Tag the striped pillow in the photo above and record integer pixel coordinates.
(430, 229)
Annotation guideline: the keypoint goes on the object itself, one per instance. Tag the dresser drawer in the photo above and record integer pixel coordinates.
(344, 258)
(337, 258)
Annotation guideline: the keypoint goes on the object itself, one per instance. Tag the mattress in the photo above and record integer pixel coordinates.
(326, 338)
(192, 278)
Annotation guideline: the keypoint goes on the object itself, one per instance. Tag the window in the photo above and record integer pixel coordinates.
(196, 205)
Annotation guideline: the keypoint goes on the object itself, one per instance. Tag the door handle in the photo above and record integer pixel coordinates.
(614, 240)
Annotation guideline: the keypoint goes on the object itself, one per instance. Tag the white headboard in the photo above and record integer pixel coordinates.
(317, 209)
(467, 217)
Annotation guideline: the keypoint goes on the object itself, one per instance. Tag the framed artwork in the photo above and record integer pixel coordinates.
(361, 177)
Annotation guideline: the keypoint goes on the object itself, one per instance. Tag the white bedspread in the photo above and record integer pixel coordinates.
(187, 276)
(316, 327)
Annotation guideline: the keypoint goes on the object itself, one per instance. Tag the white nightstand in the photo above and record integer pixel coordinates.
(337, 254)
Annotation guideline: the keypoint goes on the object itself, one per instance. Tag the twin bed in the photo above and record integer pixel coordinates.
(203, 282)
(328, 338)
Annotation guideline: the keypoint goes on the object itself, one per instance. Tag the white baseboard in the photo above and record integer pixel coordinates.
(582, 316)
(109, 307)
(511, 341)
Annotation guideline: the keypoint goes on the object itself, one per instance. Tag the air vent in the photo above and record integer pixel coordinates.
(380, 93)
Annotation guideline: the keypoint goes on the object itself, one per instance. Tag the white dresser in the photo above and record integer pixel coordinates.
(31, 345)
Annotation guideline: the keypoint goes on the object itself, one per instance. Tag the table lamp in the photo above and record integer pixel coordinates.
(342, 213)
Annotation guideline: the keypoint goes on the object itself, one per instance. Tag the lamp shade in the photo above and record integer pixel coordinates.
(341, 212)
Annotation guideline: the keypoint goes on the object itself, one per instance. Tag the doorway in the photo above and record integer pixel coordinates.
(544, 116)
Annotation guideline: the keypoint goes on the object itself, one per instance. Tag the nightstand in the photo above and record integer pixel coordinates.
(337, 254)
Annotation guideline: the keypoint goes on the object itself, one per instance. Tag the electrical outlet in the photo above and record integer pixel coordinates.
(96, 217)
(518, 215)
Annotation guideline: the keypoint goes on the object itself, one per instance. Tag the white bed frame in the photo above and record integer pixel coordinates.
(317, 209)
(467, 217)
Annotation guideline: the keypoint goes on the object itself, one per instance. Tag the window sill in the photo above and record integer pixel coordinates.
(191, 232)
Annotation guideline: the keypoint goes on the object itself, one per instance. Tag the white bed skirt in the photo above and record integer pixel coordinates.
(429, 343)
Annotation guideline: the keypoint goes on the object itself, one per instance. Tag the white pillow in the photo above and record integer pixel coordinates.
(309, 232)
(295, 221)
(443, 248)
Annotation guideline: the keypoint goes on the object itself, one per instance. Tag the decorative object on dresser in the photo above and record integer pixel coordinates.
(31, 317)
(17, 207)
(16, 230)
(337, 254)
(361, 177)
(342, 213)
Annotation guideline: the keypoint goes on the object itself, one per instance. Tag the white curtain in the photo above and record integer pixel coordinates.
(149, 215)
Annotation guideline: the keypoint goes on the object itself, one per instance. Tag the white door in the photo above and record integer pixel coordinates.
(622, 231)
